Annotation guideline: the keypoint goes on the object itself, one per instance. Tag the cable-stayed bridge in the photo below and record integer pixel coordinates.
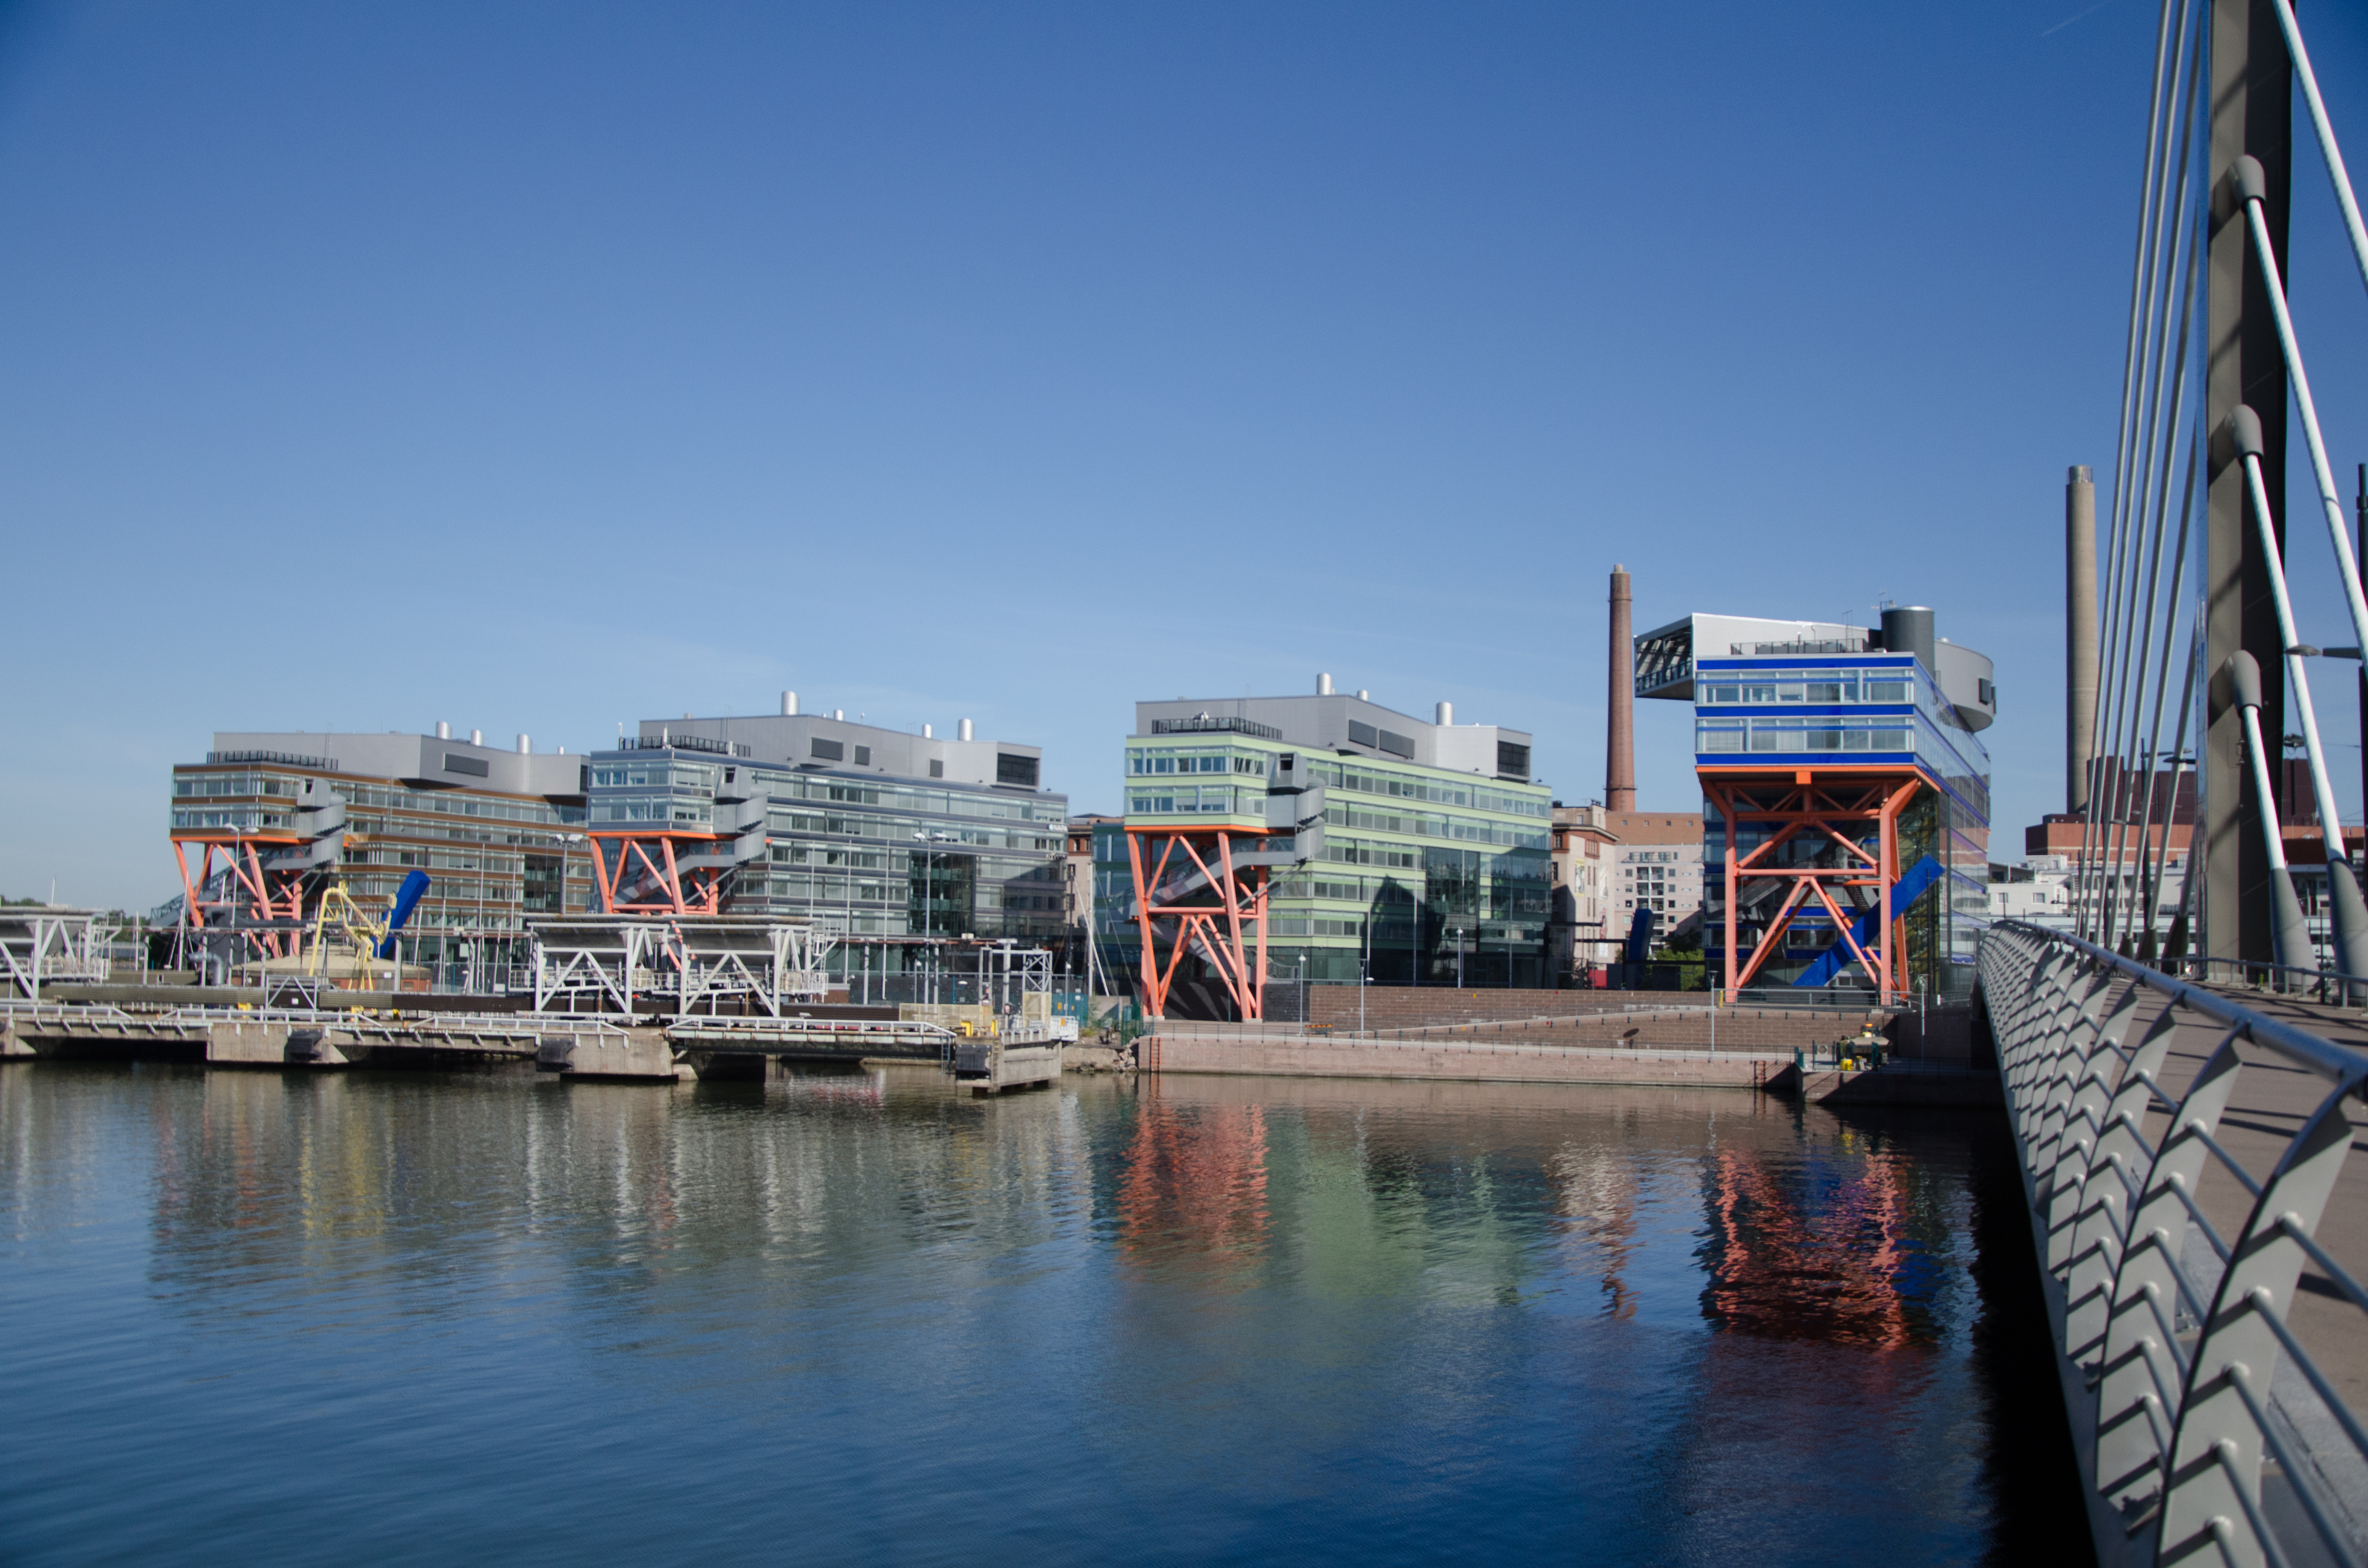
(2185, 1070)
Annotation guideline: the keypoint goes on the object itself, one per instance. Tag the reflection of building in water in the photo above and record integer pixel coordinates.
(1595, 1192)
(1195, 1185)
(1819, 1253)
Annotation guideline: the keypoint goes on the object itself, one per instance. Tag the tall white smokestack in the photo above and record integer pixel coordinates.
(789, 704)
(1324, 684)
(966, 729)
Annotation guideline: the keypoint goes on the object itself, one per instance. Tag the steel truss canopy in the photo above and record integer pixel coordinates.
(592, 963)
(41, 944)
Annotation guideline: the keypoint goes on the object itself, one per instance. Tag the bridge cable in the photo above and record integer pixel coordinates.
(2155, 267)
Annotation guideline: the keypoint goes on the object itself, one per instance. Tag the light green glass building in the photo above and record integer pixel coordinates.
(1410, 852)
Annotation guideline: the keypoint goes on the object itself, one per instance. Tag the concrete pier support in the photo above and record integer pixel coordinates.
(271, 1045)
(11, 1048)
(643, 1056)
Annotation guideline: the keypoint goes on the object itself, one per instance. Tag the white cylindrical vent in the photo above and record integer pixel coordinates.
(927, 734)
(1365, 694)
(443, 729)
(839, 714)
(966, 729)
(789, 704)
(476, 737)
(526, 746)
(562, 751)
(1446, 713)
(1324, 684)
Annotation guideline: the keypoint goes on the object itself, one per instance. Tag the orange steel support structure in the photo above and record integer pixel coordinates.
(700, 894)
(271, 895)
(1233, 901)
(1834, 809)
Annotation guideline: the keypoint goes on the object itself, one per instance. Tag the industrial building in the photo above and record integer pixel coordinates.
(1846, 795)
(1322, 838)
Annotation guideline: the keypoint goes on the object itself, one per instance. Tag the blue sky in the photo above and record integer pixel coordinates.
(543, 367)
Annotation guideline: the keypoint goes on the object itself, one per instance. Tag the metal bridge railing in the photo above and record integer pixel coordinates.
(2180, 1151)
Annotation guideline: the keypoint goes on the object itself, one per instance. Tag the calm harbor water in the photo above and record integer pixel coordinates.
(256, 1318)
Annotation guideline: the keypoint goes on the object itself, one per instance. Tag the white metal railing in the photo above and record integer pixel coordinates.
(2178, 1149)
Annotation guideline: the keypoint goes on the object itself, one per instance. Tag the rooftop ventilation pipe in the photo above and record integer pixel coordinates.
(966, 729)
(526, 746)
(443, 729)
(1364, 695)
(839, 714)
(1324, 684)
(1445, 716)
(476, 737)
(928, 733)
(789, 704)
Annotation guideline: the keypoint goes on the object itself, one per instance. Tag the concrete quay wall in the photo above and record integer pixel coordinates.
(1464, 1057)
(1415, 1007)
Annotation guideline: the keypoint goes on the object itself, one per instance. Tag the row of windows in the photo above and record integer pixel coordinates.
(1768, 687)
(1364, 781)
(900, 830)
(655, 775)
(1802, 735)
(1216, 797)
(204, 786)
(236, 819)
(1442, 827)
(665, 809)
(1143, 763)
(445, 804)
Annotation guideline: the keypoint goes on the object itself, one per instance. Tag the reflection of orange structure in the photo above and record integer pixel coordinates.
(660, 885)
(1225, 903)
(271, 895)
(1833, 1276)
(1832, 808)
(1195, 1183)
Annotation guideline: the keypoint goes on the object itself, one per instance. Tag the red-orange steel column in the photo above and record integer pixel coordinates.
(1147, 966)
(1725, 798)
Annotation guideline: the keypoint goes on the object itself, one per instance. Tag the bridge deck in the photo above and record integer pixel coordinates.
(2271, 1100)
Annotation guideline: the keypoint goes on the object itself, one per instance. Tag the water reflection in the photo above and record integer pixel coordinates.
(1204, 1316)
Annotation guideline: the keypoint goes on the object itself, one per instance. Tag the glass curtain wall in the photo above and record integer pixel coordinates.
(866, 854)
(1425, 877)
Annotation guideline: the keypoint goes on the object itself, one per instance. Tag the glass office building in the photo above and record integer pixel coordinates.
(871, 831)
(498, 831)
(1829, 702)
(1428, 863)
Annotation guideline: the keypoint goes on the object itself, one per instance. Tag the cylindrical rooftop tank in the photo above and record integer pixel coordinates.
(1908, 629)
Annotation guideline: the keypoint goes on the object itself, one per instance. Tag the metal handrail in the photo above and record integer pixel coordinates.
(2173, 1429)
